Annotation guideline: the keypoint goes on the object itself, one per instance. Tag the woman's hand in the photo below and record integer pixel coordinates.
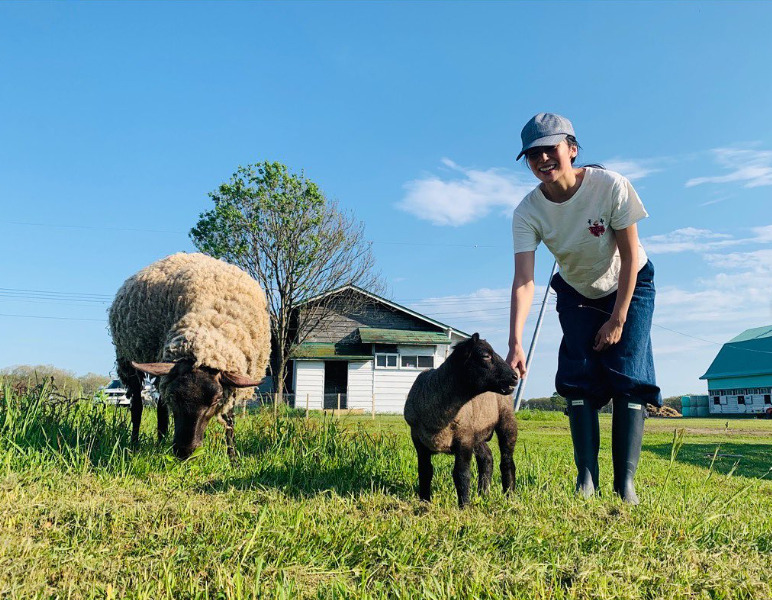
(516, 360)
(608, 335)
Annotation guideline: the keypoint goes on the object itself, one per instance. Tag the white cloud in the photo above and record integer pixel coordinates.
(763, 234)
(688, 239)
(466, 195)
(632, 169)
(752, 168)
(468, 311)
(691, 239)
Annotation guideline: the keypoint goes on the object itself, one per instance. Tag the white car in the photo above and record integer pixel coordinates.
(114, 393)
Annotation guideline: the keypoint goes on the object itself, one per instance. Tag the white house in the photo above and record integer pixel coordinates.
(365, 353)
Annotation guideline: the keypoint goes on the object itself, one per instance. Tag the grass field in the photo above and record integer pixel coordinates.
(327, 509)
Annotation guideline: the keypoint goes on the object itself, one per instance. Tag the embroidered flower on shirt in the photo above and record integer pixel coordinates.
(596, 228)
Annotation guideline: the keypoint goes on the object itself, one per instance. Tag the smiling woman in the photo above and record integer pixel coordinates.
(587, 218)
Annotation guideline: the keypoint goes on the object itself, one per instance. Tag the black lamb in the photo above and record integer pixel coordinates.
(455, 409)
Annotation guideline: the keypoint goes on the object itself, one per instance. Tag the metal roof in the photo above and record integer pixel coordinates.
(330, 351)
(756, 333)
(372, 335)
(749, 353)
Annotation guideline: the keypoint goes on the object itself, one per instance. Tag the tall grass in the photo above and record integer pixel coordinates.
(327, 508)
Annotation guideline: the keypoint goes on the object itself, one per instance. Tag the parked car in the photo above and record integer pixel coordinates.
(114, 393)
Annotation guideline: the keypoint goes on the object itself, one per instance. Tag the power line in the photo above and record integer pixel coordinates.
(68, 295)
(54, 318)
(90, 227)
(140, 230)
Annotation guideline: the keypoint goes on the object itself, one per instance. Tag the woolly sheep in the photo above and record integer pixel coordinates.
(201, 326)
(455, 408)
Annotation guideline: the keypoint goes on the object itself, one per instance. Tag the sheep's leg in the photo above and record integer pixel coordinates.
(230, 441)
(461, 476)
(163, 420)
(506, 434)
(131, 379)
(484, 467)
(425, 470)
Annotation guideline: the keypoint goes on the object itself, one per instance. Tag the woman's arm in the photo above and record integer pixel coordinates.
(611, 331)
(522, 297)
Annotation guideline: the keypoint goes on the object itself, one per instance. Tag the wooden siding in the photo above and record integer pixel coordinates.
(309, 379)
(391, 386)
(360, 385)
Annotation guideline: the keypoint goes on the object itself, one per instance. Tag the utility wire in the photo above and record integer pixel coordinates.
(54, 318)
(139, 230)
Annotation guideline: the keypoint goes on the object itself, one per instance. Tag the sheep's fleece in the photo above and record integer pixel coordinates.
(196, 307)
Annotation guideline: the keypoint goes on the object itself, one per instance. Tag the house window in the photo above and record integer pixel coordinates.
(716, 400)
(417, 362)
(740, 399)
(767, 399)
(425, 362)
(386, 361)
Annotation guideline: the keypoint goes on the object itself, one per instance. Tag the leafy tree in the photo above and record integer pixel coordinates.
(64, 380)
(282, 230)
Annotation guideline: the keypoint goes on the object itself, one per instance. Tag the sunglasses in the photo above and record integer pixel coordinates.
(537, 151)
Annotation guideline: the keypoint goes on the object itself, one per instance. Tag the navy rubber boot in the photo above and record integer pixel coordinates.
(626, 441)
(585, 434)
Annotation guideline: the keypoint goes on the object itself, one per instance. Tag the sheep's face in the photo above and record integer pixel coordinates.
(194, 395)
(483, 369)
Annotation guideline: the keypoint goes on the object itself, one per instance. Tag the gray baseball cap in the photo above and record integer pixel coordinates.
(545, 129)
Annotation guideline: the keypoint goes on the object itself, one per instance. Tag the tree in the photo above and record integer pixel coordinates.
(282, 230)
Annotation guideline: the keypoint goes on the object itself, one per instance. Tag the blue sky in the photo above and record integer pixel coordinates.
(117, 119)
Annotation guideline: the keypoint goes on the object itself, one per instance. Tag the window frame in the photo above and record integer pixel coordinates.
(386, 356)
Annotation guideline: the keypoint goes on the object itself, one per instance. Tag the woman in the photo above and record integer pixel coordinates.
(605, 296)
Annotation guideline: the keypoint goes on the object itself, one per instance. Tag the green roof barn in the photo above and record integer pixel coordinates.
(740, 377)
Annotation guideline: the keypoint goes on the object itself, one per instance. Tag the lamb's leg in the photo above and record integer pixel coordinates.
(425, 470)
(230, 441)
(506, 434)
(461, 476)
(484, 467)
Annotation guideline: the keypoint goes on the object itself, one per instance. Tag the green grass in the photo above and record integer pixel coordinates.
(327, 508)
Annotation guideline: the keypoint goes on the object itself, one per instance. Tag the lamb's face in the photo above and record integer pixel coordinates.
(485, 370)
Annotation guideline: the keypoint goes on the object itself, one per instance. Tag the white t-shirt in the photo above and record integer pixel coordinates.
(580, 231)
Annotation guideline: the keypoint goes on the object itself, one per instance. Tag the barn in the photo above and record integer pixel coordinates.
(365, 354)
(740, 377)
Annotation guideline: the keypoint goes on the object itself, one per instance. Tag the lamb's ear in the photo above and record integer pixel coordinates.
(154, 369)
(475, 337)
(238, 380)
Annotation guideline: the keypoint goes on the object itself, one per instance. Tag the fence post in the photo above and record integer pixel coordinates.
(307, 405)
(373, 407)
(338, 404)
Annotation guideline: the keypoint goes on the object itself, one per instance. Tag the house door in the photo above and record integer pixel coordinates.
(335, 382)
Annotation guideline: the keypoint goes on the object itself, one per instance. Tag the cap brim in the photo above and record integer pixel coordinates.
(549, 140)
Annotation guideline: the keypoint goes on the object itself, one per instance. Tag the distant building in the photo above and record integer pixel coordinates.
(367, 355)
(740, 377)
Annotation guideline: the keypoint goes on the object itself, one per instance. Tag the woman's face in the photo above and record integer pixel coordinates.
(551, 163)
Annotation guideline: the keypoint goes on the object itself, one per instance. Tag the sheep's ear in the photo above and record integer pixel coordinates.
(238, 380)
(475, 337)
(154, 369)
